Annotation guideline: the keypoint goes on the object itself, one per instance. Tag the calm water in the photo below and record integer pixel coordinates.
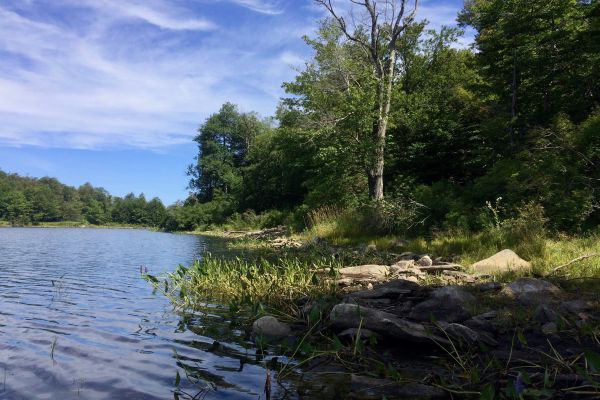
(78, 322)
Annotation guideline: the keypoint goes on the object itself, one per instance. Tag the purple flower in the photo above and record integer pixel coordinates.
(519, 385)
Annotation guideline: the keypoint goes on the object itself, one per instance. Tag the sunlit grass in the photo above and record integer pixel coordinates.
(250, 285)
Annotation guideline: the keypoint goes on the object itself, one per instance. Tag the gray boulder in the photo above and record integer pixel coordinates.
(501, 262)
(447, 304)
(344, 316)
(528, 290)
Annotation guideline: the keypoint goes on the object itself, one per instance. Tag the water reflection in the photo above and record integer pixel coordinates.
(77, 322)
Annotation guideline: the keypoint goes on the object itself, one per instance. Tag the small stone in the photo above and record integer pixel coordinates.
(425, 261)
(549, 328)
(369, 286)
(270, 327)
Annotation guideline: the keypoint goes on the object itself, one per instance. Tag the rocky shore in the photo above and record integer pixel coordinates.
(476, 334)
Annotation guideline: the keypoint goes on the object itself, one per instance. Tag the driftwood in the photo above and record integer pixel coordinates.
(575, 260)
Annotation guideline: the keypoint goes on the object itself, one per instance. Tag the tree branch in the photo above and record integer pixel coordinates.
(573, 261)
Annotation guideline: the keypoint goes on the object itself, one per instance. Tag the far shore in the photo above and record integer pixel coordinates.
(75, 224)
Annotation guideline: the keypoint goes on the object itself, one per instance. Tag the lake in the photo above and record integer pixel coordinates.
(77, 321)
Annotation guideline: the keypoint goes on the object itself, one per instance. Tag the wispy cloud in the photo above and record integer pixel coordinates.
(161, 19)
(262, 6)
(110, 83)
(96, 74)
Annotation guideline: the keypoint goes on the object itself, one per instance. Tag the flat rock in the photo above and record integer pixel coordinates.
(366, 388)
(529, 290)
(270, 328)
(366, 272)
(344, 316)
(501, 262)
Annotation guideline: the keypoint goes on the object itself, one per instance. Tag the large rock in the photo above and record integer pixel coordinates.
(269, 327)
(366, 272)
(501, 262)
(529, 290)
(344, 316)
(447, 304)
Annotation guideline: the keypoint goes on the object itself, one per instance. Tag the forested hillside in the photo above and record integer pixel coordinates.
(25, 200)
(508, 127)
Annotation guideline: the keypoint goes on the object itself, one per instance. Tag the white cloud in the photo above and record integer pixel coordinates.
(152, 16)
(261, 6)
(113, 87)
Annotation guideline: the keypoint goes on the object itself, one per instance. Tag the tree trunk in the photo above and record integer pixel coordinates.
(375, 173)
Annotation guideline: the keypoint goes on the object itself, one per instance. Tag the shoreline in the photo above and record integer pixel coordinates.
(79, 226)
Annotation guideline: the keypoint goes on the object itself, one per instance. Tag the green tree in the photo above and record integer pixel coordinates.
(378, 40)
(223, 143)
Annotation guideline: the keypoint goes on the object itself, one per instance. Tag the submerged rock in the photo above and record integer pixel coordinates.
(270, 328)
(501, 262)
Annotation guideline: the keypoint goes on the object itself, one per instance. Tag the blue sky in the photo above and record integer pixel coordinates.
(112, 91)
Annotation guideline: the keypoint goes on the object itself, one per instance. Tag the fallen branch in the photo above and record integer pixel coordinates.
(575, 260)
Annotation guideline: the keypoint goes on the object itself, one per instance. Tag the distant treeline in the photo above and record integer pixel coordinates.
(472, 135)
(25, 201)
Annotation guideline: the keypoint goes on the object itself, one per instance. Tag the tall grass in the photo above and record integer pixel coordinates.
(249, 285)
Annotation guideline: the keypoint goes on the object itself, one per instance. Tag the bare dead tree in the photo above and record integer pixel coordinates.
(383, 23)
